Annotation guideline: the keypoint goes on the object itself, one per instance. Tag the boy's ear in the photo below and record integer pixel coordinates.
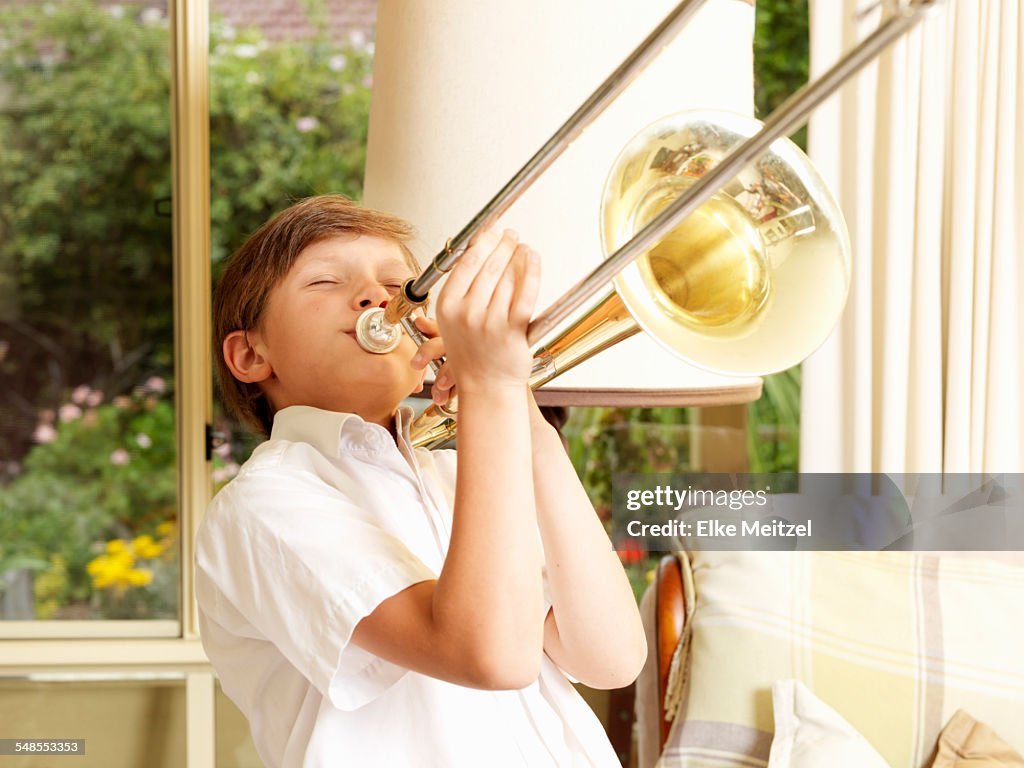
(243, 360)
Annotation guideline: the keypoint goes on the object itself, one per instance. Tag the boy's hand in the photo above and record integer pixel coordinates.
(441, 392)
(483, 313)
(433, 349)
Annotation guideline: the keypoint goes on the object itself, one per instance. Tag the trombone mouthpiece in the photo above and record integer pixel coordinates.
(375, 334)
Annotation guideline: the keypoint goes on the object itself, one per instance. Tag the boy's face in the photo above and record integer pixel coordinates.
(307, 332)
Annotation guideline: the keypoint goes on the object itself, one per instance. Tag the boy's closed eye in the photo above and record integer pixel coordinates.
(334, 281)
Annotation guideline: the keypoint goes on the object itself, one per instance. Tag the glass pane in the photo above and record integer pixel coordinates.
(125, 722)
(289, 106)
(234, 740)
(87, 453)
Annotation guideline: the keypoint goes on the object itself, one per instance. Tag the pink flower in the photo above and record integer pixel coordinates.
(357, 38)
(69, 412)
(80, 393)
(44, 434)
(223, 450)
(306, 124)
(120, 457)
(122, 402)
(143, 440)
(94, 398)
(156, 384)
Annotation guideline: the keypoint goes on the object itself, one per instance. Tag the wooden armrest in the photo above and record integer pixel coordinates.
(669, 617)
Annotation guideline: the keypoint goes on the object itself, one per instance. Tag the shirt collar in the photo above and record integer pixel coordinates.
(324, 429)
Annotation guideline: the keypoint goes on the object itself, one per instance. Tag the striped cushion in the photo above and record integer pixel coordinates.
(895, 642)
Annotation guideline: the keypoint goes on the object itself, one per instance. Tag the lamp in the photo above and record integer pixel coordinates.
(465, 91)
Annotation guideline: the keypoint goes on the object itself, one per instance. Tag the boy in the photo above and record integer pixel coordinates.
(362, 602)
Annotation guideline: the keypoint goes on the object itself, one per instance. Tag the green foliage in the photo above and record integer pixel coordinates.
(781, 55)
(286, 122)
(773, 425)
(85, 182)
(85, 261)
(603, 441)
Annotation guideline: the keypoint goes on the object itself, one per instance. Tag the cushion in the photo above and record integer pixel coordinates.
(966, 743)
(810, 734)
(895, 642)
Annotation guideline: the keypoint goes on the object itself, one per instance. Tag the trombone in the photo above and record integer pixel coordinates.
(725, 244)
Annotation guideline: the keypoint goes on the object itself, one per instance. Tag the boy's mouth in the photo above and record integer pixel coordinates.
(355, 337)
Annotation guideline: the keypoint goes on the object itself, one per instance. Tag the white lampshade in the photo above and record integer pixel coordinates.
(465, 91)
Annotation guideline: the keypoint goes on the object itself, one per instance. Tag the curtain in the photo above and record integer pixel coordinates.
(924, 152)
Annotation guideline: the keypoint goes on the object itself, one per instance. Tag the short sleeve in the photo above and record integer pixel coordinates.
(303, 565)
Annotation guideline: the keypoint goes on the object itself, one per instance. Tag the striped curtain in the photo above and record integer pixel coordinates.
(925, 151)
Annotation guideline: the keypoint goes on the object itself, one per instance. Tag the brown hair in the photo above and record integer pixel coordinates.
(254, 269)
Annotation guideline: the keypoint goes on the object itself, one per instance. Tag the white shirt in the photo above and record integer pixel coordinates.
(326, 520)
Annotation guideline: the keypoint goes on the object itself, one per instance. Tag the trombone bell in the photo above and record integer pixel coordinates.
(756, 278)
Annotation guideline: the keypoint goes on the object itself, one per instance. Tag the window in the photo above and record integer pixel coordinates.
(88, 500)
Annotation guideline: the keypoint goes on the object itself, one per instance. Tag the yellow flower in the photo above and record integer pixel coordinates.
(145, 548)
(115, 546)
(139, 577)
(111, 570)
(166, 528)
(122, 560)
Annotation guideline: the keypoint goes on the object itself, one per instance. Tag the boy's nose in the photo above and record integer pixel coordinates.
(372, 296)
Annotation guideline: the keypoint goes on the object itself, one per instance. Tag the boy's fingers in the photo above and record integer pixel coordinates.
(441, 390)
(504, 291)
(494, 226)
(467, 267)
(427, 325)
(429, 350)
(526, 296)
(493, 268)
